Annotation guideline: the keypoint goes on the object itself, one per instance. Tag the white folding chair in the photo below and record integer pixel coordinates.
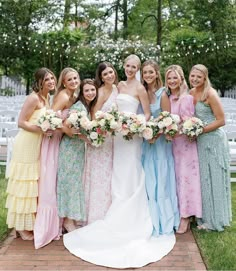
(10, 135)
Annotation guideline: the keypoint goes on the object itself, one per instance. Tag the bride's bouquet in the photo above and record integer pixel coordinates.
(192, 128)
(131, 124)
(50, 120)
(168, 124)
(151, 130)
(108, 121)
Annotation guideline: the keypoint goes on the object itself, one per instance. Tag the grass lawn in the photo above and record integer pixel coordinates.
(3, 210)
(218, 249)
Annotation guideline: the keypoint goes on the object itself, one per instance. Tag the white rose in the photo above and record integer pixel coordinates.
(161, 124)
(94, 123)
(148, 133)
(99, 114)
(93, 135)
(56, 122)
(167, 121)
(73, 118)
(187, 124)
(133, 127)
(101, 122)
(113, 124)
(176, 118)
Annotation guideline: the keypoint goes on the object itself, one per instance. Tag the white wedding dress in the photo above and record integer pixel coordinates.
(124, 238)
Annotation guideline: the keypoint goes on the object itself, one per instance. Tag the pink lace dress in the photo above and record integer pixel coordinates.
(186, 162)
(98, 173)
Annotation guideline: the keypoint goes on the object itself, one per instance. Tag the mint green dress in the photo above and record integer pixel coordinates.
(70, 192)
(214, 162)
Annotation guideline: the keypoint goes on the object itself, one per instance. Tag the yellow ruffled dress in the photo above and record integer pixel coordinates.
(23, 177)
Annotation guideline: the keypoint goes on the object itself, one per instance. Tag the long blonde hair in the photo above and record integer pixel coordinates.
(207, 85)
(64, 72)
(183, 89)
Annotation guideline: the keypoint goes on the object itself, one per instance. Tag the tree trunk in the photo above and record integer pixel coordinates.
(125, 20)
(116, 18)
(66, 13)
(159, 22)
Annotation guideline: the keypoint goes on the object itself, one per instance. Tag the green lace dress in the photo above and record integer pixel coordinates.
(213, 151)
(70, 192)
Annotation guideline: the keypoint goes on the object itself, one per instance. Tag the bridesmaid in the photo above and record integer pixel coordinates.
(23, 173)
(158, 161)
(213, 153)
(47, 224)
(185, 152)
(70, 192)
(98, 165)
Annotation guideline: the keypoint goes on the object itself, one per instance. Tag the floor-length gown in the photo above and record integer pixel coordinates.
(70, 191)
(186, 162)
(158, 163)
(213, 151)
(98, 173)
(47, 223)
(23, 177)
(123, 238)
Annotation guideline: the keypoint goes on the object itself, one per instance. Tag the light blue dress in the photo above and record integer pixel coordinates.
(213, 152)
(70, 191)
(158, 163)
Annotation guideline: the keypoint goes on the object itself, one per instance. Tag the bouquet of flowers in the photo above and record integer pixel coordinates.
(74, 119)
(168, 124)
(151, 130)
(51, 120)
(131, 124)
(108, 121)
(94, 132)
(192, 128)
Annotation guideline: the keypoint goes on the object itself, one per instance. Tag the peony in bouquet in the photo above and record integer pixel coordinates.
(131, 124)
(108, 121)
(192, 128)
(168, 124)
(151, 130)
(50, 120)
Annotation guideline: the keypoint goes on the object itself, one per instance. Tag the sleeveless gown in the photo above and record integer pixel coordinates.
(23, 177)
(123, 239)
(214, 163)
(158, 163)
(98, 173)
(47, 222)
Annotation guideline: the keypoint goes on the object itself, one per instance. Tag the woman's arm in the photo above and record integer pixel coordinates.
(217, 108)
(143, 97)
(28, 108)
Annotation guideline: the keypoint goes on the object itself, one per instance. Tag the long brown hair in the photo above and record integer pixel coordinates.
(101, 67)
(39, 78)
(81, 98)
(154, 65)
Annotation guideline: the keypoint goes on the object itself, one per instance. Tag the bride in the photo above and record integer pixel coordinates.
(123, 239)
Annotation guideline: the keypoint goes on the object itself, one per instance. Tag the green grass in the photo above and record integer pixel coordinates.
(3, 210)
(218, 249)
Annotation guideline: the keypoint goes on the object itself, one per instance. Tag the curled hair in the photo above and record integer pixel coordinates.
(81, 98)
(101, 67)
(39, 78)
(64, 72)
(135, 57)
(207, 85)
(154, 65)
(179, 72)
